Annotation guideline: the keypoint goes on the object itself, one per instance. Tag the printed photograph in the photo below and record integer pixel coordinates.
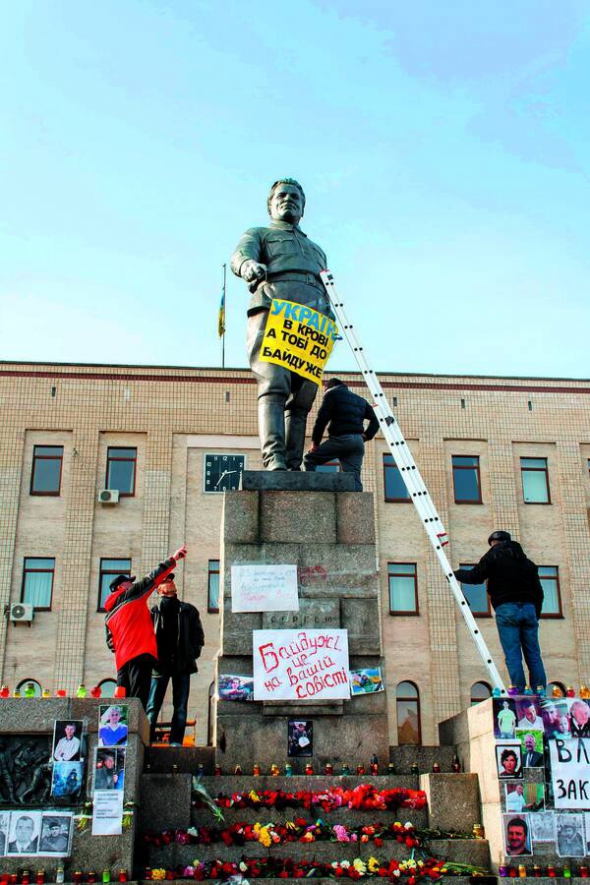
(109, 769)
(67, 780)
(579, 716)
(67, 740)
(570, 839)
(528, 713)
(113, 725)
(504, 718)
(524, 797)
(531, 743)
(299, 738)
(555, 713)
(517, 836)
(56, 834)
(509, 759)
(236, 688)
(24, 833)
(4, 823)
(543, 827)
(366, 681)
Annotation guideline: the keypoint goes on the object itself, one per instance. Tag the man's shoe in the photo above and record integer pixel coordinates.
(276, 464)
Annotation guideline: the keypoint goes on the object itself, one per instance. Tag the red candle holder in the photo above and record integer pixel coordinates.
(120, 692)
(61, 693)
(4, 692)
(96, 691)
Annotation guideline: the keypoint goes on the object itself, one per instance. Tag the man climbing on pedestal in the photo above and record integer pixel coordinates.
(280, 261)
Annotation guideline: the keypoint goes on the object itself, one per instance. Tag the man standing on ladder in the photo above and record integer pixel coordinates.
(517, 597)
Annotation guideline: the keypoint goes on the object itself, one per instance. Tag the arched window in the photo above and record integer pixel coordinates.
(107, 688)
(408, 713)
(30, 683)
(480, 691)
(556, 690)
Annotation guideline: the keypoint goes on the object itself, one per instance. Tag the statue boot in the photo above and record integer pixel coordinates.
(271, 426)
(295, 423)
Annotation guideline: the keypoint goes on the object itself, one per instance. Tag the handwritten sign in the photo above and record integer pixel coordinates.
(298, 338)
(570, 772)
(301, 665)
(264, 588)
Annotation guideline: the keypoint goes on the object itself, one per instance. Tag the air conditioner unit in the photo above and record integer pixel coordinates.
(108, 496)
(21, 612)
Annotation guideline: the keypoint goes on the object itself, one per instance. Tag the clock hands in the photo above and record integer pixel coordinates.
(223, 475)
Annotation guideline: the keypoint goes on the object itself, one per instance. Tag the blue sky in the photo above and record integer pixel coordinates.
(444, 150)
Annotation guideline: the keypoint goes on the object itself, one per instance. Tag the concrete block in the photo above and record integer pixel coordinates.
(355, 517)
(298, 517)
(453, 801)
(298, 481)
(18, 715)
(170, 795)
(361, 618)
(339, 570)
(252, 554)
(313, 614)
(240, 517)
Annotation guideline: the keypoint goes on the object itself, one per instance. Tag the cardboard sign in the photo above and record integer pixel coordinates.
(264, 588)
(301, 665)
(298, 338)
(570, 772)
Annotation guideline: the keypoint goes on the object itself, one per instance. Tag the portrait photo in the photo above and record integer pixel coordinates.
(24, 831)
(299, 738)
(504, 710)
(517, 836)
(109, 769)
(531, 743)
(570, 838)
(366, 681)
(543, 827)
(579, 717)
(528, 713)
(113, 725)
(4, 824)
(236, 688)
(555, 713)
(509, 760)
(521, 797)
(67, 780)
(67, 740)
(56, 834)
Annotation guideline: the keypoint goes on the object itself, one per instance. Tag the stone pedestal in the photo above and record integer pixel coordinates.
(312, 521)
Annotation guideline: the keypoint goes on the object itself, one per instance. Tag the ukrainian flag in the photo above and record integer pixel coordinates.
(221, 317)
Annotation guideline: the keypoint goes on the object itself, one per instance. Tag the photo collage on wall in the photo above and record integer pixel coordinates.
(36, 833)
(108, 782)
(543, 762)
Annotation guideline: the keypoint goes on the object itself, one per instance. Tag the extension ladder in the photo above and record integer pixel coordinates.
(410, 474)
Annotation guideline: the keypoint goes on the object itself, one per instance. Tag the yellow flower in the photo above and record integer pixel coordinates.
(159, 874)
(264, 837)
(373, 864)
(360, 866)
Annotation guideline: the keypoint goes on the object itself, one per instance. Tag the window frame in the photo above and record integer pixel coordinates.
(406, 698)
(474, 701)
(102, 682)
(130, 494)
(393, 466)
(210, 573)
(559, 614)
(28, 571)
(544, 470)
(36, 458)
(477, 469)
(113, 572)
(390, 575)
(486, 614)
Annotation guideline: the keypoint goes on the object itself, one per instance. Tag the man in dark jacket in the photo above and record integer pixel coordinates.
(345, 413)
(180, 638)
(130, 632)
(517, 597)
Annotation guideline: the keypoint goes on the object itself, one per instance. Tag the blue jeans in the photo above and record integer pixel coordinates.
(181, 686)
(518, 629)
(348, 449)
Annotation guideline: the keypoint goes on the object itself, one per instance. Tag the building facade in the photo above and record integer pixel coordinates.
(494, 453)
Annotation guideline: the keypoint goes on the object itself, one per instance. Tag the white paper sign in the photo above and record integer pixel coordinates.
(300, 665)
(570, 772)
(264, 588)
(107, 814)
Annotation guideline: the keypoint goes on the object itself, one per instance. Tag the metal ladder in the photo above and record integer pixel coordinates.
(411, 476)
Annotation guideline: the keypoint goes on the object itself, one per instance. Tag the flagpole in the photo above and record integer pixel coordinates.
(224, 315)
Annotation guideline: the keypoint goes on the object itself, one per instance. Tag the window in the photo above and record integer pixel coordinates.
(38, 582)
(107, 688)
(403, 588)
(109, 569)
(395, 487)
(213, 586)
(466, 479)
(328, 467)
(549, 576)
(121, 471)
(555, 690)
(407, 703)
(535, 480)
(476, 596)
(46, 470)
(480, 691)
(30, 684)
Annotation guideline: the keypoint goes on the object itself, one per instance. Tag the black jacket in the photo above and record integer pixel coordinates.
(191, 640)
(510, 575)
(346, 413)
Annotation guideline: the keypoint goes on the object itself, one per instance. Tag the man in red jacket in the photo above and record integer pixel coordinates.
(130, 632)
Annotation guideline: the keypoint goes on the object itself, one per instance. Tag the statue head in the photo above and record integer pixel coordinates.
(286, 201)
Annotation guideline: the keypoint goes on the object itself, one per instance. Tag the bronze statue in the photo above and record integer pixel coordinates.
(280, 261)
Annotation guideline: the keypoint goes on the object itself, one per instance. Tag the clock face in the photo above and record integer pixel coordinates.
(223, 472)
